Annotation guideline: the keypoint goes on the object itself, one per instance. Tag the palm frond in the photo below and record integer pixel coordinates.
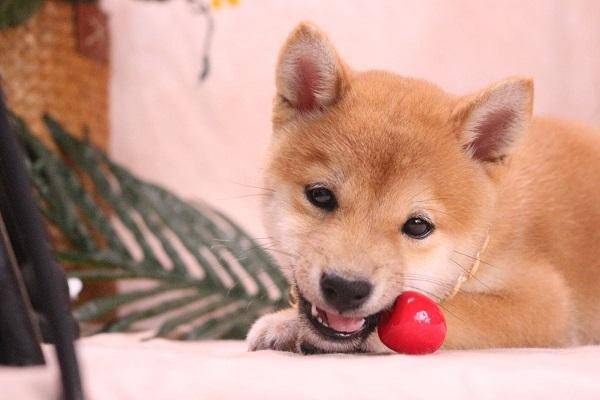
(16, 12)
(217, 279)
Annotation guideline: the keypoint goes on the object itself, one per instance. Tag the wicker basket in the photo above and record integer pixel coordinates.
(45, 69)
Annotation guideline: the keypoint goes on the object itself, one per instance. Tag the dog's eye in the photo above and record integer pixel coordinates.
(321, 197)
(417, 228)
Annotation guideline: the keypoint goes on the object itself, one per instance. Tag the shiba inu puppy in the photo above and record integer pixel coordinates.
(378, 184)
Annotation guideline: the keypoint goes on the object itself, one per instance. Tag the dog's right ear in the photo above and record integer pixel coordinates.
(310, 74)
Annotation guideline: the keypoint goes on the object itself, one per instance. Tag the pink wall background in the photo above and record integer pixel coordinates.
(206, 140)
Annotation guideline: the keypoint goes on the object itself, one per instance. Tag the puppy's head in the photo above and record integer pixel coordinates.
(380, 184)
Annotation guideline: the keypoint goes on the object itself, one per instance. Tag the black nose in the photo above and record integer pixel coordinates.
(344, 294)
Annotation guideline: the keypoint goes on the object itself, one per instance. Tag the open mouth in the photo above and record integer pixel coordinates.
(336, 326)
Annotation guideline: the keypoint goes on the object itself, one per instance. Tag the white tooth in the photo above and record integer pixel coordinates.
(313, 310)
(321, 321)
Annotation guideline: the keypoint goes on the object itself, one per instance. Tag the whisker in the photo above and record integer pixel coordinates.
(235, 240)
(429, 280)
(264, 238)
(252, 186)
(418, 194)
(475, 258)
(469, 275)
(244, 196)
(435, 210)
(455, 315)
(270, 248)
(285, 253)
(440, 302)
(432, 199)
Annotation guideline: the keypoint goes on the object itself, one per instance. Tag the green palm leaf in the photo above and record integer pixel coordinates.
(16, 12)
(119, 227)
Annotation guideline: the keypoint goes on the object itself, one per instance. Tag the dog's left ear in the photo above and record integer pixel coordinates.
(490, 122)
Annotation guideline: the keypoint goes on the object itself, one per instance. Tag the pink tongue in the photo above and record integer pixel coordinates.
(343, 324)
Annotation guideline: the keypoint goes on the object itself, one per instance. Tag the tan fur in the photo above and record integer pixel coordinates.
(389, 146)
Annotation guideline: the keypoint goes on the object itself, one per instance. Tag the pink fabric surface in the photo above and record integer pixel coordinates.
(119, 366)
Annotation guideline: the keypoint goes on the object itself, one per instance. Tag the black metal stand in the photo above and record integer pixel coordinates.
(26, 237)
(19, 337)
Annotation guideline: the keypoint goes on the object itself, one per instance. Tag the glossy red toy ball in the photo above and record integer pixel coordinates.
(415, 325)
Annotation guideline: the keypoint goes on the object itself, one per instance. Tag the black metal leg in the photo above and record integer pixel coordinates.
(50, 278)
(19, 339)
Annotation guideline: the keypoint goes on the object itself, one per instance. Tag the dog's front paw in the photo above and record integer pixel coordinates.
(277, 331)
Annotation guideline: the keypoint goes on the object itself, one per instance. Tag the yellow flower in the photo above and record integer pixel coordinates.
(216, 4)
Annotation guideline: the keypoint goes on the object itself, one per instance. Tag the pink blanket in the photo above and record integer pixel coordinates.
(119, 366)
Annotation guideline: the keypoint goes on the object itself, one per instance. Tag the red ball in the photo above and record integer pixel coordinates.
(415, 325)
